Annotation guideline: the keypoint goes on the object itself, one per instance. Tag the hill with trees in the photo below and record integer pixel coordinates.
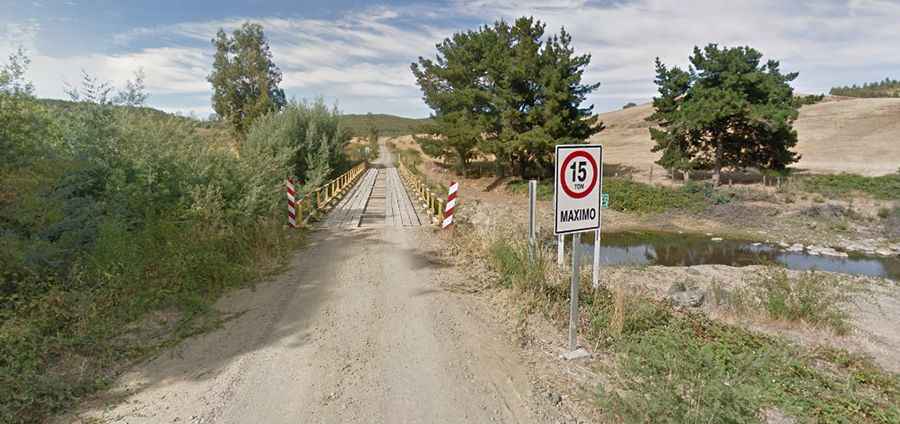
(360, 125)
(834, 135)
(885, 88)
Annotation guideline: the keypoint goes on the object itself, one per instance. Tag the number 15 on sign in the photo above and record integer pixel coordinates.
(577, 190)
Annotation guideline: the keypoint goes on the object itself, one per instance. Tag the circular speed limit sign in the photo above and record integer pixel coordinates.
(577, 186)
(578, 174)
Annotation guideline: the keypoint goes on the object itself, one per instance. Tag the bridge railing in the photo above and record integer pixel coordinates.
(433, 203)
(314, 203)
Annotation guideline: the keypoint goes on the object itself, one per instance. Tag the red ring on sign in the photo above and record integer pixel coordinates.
(562, 173)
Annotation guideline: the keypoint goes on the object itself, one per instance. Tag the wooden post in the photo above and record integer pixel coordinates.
(299, 208)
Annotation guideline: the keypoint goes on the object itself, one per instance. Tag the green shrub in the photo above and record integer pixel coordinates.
(813, 298)
(708, 191)
(109, 214)
(632, 196)
(886, 187)
(308, 137)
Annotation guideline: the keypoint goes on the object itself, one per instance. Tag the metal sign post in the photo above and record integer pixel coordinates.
(595, 280)
(573, 293)
(532, 204)
(560, 250)
(577, 199)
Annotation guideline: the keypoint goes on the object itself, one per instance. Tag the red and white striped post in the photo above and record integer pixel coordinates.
(451, 203)
(292, 203)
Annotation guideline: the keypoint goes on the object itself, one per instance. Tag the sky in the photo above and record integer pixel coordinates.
(356, 54)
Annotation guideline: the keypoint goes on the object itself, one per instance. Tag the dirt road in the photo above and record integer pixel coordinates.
(357, 331)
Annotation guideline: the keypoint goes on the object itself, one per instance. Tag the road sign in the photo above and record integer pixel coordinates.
(604, 201)
(579, 175)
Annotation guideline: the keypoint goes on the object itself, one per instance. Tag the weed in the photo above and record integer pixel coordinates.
(813, 298)
(886, 187)
(673, 366)
(631, 196)
(884, 213)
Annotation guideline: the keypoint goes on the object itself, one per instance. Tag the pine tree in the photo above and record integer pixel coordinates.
(728, 110)
(508, 91)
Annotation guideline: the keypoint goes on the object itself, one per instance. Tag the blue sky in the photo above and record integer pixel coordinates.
(357, 53)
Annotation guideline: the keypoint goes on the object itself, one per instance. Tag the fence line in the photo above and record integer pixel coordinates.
(316, 201)
(433, 203)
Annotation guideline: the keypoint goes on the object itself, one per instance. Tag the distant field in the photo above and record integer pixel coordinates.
(388, 125)
(860, 136)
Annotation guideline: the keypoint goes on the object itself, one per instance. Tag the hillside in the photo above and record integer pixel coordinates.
(860, 136)
(388, 125)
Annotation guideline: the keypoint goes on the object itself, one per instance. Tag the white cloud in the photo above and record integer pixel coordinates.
(364, 55)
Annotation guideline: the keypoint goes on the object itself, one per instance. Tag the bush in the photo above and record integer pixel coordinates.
(309, 138)
(632, 196)
(812, 298)
(109, 214)
(886, 187)
(801, 101)
(708, 191)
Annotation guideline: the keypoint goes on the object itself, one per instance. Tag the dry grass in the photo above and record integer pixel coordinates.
(848, 135)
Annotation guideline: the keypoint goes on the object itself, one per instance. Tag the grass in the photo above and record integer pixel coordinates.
(412, 158)
(673, 366)
(886, 187)
(813, 298)
(69, 342)
(632, 196)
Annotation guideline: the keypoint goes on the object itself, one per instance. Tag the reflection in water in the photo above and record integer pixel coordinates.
(670, 249)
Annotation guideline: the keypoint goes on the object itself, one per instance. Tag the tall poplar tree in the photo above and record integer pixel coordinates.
(244, 77)
(728, 110)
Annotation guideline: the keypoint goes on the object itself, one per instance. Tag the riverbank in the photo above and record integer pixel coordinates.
(763, 343)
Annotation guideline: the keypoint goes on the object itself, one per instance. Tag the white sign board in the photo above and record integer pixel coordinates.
(579, 178)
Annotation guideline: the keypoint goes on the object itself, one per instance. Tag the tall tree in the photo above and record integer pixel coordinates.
(507, 90)
(728, 110)
(244, 77)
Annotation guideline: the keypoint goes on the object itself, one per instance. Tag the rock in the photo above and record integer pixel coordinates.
(827, 211)
(884, 252)
(796, 247)
(676, 287)
(716, 239)
(783, 244)
(755, 244)
(828, 251)
(554, 398)
(689, 298)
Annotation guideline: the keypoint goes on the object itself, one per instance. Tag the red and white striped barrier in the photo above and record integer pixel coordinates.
(292, 203)
(451, 203)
